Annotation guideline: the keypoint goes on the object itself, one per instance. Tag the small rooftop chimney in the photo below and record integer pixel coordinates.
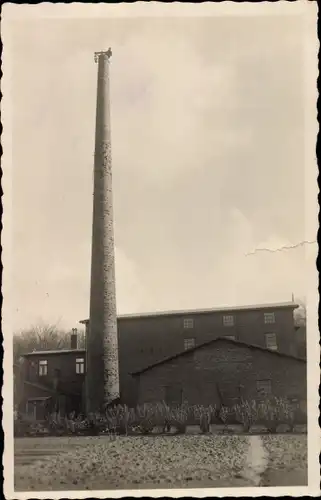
(73, 339)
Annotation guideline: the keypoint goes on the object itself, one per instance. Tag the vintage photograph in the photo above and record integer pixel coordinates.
(160, 250)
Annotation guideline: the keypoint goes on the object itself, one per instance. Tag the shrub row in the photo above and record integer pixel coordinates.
(148, 418)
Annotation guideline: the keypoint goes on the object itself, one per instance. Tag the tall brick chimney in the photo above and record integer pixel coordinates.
(102, 378)
(74, 339)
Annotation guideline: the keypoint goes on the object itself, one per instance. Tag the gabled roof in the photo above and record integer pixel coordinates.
(219, 339)
(55, 351)
(278, 305)
(46, 388)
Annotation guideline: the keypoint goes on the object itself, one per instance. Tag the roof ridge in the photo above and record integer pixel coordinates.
(204, 344)
(246, 307)
(54, 351)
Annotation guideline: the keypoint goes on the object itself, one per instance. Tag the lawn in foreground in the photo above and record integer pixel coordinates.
(49, 464)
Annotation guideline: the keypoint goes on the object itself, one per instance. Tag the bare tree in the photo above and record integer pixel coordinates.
(300, 314)
(81, 339)
(42, 337)
(300, 322)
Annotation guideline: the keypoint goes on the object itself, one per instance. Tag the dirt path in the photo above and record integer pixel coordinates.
(256, 461)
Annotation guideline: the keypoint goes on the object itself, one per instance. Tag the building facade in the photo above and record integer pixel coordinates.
(56, 378)
(223, 371)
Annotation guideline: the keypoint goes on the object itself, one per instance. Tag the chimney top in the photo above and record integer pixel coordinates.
(73, 339)
(106, 53)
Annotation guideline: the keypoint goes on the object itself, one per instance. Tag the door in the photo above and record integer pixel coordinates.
(173, 395)
(31, 409)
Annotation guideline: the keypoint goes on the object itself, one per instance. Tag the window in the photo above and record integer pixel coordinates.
(263, 387)
(269, 318)
(188, 323)
(228, 320)
(230, 337)
(80, 366)
(189, 344)
(43, 367)
(270, 341)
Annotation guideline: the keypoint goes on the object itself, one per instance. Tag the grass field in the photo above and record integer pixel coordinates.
(99, 463)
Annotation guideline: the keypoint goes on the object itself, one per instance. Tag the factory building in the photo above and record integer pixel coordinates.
(145, 340)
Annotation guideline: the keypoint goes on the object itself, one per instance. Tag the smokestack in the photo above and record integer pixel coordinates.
(74, 339)
(102, 379)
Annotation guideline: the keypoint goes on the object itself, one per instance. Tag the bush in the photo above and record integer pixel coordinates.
(120, 419)
(179, 419)
(270, 413)
(205, 420)
(162, 416)
(246, 413)
(276, 411)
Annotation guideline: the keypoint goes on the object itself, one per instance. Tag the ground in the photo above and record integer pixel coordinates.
(190, 461)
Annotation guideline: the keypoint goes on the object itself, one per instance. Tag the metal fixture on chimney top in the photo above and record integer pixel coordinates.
(107, 53)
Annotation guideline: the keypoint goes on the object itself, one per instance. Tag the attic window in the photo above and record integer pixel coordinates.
(228, 320)
(188, 323)
(43, 367)
(189, 344)
(229, 337)
(269, 318)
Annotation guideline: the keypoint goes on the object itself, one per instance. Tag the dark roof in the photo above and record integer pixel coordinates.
(39, 386)
(219, 339)
(55, 351)
(49, 389)
(42, 398)
(279, 305)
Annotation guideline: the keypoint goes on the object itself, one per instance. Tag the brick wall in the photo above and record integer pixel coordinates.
(227, 366)
(145, 340)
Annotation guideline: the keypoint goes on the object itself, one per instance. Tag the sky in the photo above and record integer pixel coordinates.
(208, 162)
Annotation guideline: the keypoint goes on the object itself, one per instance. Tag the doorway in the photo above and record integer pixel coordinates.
(173, 395)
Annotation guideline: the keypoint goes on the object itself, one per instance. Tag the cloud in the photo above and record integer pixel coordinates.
(208, 161)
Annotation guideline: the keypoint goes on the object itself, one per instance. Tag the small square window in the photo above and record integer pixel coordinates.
(43, 367)
(80, 366)
(263, 387)
(188, 323)
(269, 318)
(189, 344)
(228, 320)
(270, 341)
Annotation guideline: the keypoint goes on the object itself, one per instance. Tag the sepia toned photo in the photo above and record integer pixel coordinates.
(159, 251)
